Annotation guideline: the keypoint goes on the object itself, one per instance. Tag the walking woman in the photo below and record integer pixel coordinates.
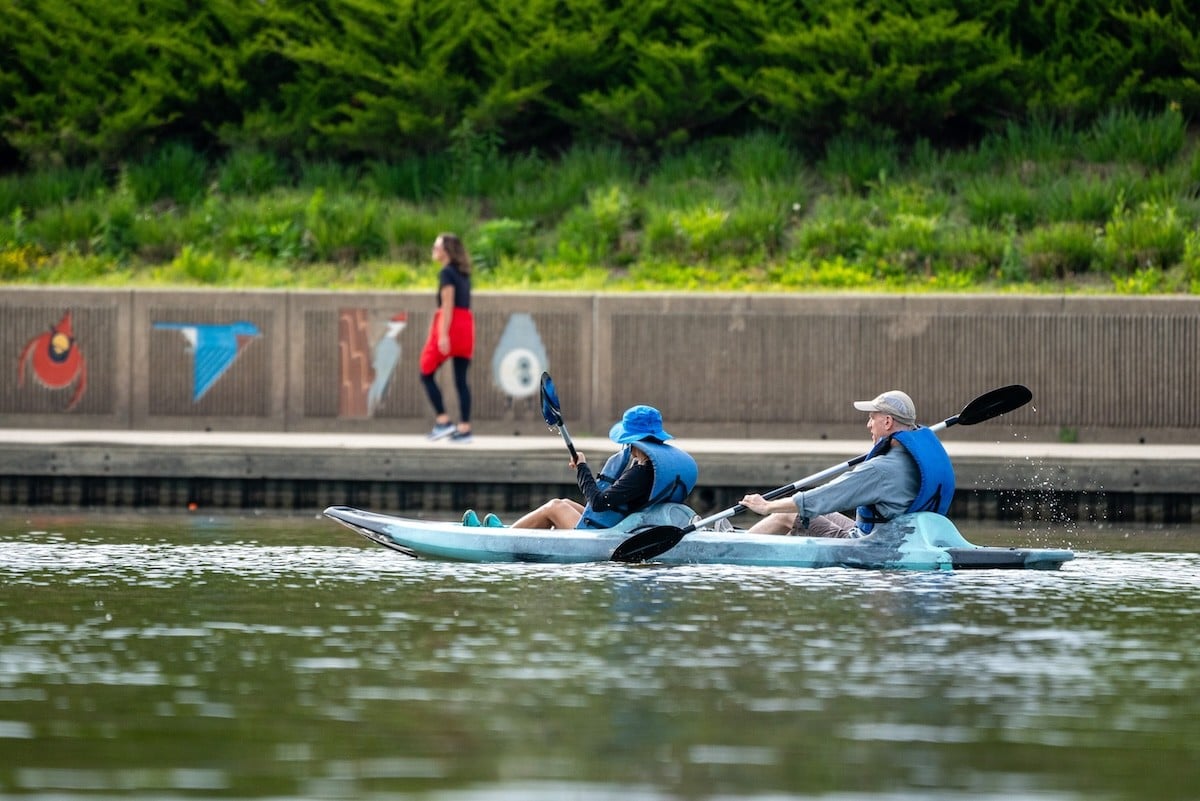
(451, 337)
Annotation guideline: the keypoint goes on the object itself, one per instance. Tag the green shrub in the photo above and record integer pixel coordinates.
(333, 176)
(270, 239)
(968, 254)
(477, 168)
(270, 227)
(1084, 197)
(836, 273)
(67, 226)
(248, 171)
(1013, 269)
(420, 179)
(1041, 138)
(991, 200)
(1152, 236)
(1191, 255)
(114, 233)
(20, 262)
(175, 173)
(1122, 135)
(497, 239)
(762, 157)
(534, 192)
(49, 187)
(911, 242)
(757, 223)
(904, 196)
(660, 235)
(700, 228)
(192, 266)
(826, 235)
(851, 163)
(594, 233)
(158, 237)
(83, 269)
(1148, 281)
(412, 229)
(341, 229)
(1059, 250)
(913, 68)
(703, 228)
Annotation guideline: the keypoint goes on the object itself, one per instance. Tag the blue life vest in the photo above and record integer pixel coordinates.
(675, 475)
(933, 463)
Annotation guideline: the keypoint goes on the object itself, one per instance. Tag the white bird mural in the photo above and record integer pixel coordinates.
(519, 359)
(384, 358)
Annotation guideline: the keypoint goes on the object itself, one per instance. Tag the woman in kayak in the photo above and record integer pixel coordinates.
(644, 472)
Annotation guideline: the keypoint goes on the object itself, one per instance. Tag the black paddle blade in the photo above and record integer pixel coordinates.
(551, 408)
(994, 403)
(648, 544)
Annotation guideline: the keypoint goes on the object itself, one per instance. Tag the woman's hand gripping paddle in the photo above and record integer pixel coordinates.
(651, 542)
(552, 412)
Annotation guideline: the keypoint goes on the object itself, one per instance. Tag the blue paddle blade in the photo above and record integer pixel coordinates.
(551, 408)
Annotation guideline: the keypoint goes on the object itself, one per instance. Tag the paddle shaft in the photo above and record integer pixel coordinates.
(562, 429)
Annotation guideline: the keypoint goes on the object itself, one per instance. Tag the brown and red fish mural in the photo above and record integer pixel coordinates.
(56, 359)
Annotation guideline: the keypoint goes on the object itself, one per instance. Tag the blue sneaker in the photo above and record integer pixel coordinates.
(441, 431)
(461, 437)
(470, 518)
(491, 521)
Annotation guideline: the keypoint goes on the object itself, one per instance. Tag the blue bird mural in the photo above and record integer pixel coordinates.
(214, 348)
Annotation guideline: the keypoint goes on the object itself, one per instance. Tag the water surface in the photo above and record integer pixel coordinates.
(157, 656)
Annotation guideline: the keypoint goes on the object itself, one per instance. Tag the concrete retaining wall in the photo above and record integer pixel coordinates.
(746, 366)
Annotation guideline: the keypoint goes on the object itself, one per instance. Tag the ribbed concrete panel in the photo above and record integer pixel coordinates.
(181, 366)
(64, 358)
(322, 359)
(491, 375)
(209, 360)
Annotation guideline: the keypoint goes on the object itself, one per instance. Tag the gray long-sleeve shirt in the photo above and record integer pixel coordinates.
(890, 481)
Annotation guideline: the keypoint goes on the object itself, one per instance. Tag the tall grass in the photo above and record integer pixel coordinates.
(1041, 205)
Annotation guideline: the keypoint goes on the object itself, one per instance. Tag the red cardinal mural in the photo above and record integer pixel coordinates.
(57, 360)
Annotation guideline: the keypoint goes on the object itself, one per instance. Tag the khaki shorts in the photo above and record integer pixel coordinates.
(834, 524)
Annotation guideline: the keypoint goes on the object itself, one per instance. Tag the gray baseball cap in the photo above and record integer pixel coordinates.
(893, 402)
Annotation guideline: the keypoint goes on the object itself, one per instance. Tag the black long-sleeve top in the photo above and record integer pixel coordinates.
(629, 493)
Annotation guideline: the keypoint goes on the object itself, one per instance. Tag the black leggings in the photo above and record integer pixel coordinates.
(461, 366)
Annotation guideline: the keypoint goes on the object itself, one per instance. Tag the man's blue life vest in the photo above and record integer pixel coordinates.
(937, 475)
(675, 475)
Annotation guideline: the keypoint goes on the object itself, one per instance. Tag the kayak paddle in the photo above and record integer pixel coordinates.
(552, 412)
(651, 542)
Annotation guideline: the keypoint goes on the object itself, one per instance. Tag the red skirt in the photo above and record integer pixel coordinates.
(462, 340)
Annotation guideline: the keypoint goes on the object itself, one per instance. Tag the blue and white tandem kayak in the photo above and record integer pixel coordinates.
(920, 541)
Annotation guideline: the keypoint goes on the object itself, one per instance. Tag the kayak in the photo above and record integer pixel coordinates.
(919, 541)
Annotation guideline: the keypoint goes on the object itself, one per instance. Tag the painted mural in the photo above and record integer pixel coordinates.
(214, 349)
(56, 360)
(366, 367)
(519, 359)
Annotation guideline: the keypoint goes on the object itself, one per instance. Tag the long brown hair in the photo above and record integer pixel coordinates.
(457, 252)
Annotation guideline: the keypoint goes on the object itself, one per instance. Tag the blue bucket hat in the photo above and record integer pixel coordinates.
(638, 423)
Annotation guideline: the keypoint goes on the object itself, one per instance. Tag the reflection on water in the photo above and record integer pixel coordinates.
(227, 658)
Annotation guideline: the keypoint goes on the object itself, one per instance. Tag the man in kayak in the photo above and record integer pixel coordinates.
(907, 470)
(644, 472)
